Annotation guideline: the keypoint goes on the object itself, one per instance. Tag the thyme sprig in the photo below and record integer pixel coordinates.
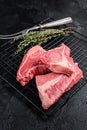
(40, 37)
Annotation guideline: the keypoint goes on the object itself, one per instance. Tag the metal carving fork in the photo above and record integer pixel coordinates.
(40, 26)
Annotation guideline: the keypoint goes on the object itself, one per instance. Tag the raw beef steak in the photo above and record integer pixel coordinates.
(58, 59)
(52, 86)
(31, 65)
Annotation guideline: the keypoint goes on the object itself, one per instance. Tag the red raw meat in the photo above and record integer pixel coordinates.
(31, 65)
(52, 86)
(58, 59)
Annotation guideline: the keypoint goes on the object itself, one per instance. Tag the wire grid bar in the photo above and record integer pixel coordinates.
(9, 67)
(13, 78)
(14, 65)
(23, 95)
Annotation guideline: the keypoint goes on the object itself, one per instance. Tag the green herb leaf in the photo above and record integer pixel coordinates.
(40, 37)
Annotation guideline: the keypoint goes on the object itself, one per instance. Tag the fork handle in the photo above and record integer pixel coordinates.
(56, 23)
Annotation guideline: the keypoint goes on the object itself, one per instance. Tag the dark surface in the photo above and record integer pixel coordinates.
(14, 113)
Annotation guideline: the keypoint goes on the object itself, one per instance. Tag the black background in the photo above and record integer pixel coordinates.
(16, 15)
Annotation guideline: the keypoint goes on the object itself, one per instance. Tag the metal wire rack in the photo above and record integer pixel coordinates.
(9, 65)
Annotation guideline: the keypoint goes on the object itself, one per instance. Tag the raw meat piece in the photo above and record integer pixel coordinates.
(52, 86)
(58, 59)
(31, 65)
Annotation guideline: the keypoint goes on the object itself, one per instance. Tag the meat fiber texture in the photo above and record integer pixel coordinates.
(58, 60)
(31, 65)
(63, 72)
(52, 86)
